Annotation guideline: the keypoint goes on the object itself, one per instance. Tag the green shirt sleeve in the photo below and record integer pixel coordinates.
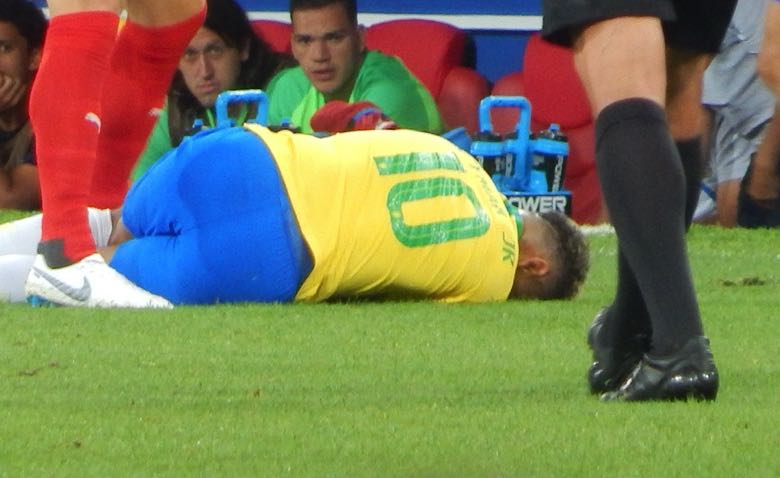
(158, 144)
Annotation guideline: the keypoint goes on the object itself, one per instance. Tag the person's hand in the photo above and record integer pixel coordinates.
(12, 91)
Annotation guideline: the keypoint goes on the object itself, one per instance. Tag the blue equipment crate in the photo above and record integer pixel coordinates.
(528, 169)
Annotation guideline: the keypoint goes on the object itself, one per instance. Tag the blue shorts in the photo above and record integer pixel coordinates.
(213, 223)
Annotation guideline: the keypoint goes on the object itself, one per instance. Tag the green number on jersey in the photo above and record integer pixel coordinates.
(410, 162)
(428, 188)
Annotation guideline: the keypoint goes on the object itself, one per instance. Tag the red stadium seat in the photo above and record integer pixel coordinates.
(276, 34)
(551, 84)
(435, 53)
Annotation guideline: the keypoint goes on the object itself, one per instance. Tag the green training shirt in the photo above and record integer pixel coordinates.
(383, 80)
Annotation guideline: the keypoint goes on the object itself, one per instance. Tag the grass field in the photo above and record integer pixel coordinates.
(394, 389)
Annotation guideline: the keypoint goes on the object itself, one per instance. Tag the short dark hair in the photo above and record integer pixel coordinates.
(570, 254)
(350, 6)
(27, 18)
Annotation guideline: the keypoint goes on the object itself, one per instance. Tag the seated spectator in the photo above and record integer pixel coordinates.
(225, 54)
(740, 107)
(333, 62)
(22, 28)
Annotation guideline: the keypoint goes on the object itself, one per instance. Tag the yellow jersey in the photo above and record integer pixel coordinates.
(395, 214)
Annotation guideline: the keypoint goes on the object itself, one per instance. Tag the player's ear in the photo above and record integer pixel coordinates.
(534, 266)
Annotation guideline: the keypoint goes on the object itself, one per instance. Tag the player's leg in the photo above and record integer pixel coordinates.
(14, 269)
(65, 114)
(246, 258)
(67, 7)
(619, 335)
(623, 329)
(18, 245)
(769, 56)
(145, 58)
(22, 236)
(759, 201)
(731, 156)
(153, 206)
(90, 26)
(632, 330)
(759, 195)
(692, 40)
(72, 285)
(18, 262)
(227, 233)
(642, 177)
(662, 272)
(686, 118)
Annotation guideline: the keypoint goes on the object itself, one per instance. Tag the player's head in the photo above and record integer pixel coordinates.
(554, 258)
(328, 43)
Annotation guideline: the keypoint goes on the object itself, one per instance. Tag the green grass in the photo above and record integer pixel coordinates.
(396, 389)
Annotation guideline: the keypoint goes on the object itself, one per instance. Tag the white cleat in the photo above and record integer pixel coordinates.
(87, 283)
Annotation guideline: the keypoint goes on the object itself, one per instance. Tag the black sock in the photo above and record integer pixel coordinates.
(644, 188)
(692, 163)
(628, 314)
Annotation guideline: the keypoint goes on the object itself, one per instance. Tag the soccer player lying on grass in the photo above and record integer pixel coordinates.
(244, 214)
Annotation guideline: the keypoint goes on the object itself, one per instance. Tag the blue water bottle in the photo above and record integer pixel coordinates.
(550, 150)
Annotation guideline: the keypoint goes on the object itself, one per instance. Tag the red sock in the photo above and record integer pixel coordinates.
(65, 115)
(141, 71)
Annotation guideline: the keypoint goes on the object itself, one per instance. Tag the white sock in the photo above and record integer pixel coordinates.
(22, 236)
(19, 246)
(101, 226)
(14, 269)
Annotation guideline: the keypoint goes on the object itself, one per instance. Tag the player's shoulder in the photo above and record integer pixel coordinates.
(380, 66)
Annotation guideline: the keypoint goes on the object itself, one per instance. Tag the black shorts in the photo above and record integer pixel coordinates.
(697, 25)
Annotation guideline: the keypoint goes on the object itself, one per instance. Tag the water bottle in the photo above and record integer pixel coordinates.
(548, 167)
(487, 148)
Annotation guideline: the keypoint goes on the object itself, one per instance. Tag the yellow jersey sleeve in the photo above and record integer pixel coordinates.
(396, 214)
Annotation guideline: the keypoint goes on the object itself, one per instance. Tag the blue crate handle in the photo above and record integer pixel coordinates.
(519, 146)
(523, 125)
(226, 98)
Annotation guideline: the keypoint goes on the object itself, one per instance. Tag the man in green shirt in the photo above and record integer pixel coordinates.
(333, 62)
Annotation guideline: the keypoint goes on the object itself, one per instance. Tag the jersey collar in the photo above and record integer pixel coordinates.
(517, 216)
